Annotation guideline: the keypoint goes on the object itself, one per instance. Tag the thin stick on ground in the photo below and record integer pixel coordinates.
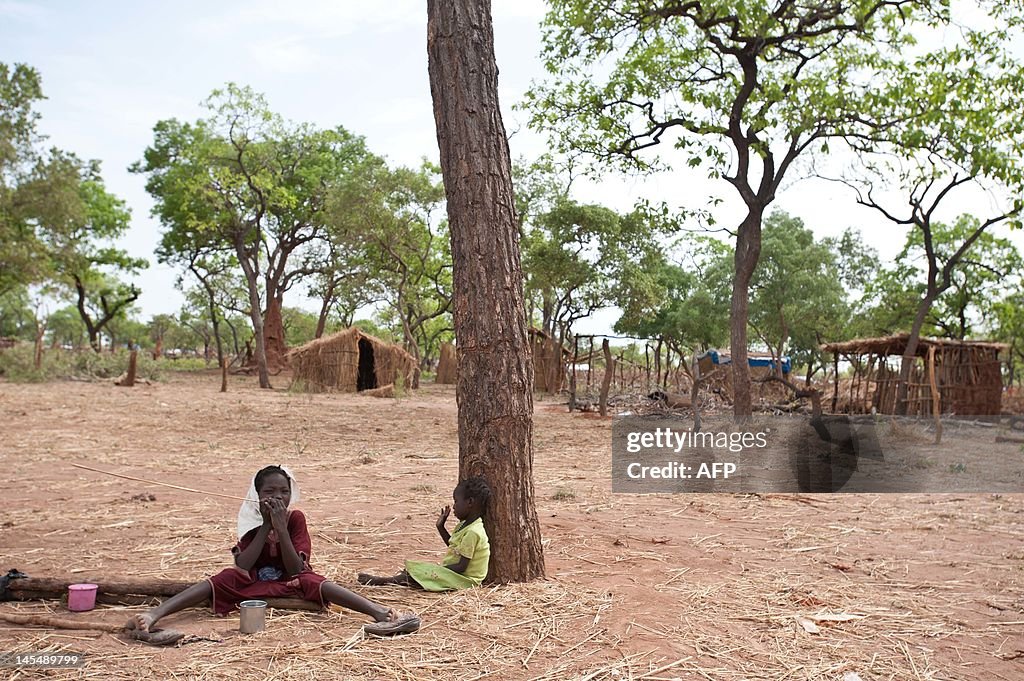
(161, 484)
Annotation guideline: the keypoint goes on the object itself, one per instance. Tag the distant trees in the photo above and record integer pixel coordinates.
(963, 130)
(244, 193)
(984, 277)
(245, 182)
(742, 89)
(1009, 328)
(798, 299)
(387, 223)
(58, 223)
(679, 297)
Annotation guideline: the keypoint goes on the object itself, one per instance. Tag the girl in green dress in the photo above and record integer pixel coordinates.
(469, 551)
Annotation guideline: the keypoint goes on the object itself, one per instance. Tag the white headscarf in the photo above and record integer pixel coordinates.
(249, 516)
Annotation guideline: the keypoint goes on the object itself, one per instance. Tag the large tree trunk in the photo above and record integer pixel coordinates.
(255, 315)
(910, 353)
(273, 333)
(495, 375)
(325, 310)
(748, 250)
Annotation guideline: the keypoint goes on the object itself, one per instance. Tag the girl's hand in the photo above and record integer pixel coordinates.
(264, 506)
(443, 518)
(278, 515)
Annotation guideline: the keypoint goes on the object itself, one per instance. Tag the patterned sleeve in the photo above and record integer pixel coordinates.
(299, 535)
(467, 545)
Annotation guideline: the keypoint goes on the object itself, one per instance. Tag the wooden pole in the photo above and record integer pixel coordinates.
(835, 380)
(936, 400)
(622, 377)
(590, 364)
(609, 369)
(133, 359)
(657, 362)
(694, 391)
(647, 364)
(40, 332)
(572, 372)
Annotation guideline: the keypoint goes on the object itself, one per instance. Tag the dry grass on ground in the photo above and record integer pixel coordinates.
(640, 587)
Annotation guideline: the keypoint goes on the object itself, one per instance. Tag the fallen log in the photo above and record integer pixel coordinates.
(123, 592)
(1014, 440)
(383, 391)
(156, 637)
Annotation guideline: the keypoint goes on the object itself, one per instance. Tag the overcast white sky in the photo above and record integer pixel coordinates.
(112, 69)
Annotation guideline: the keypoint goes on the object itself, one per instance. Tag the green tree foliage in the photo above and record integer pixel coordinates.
(684, 303)
(299, 326)
(245, 182)
(982, 279)
(798, 298)
(742, 89)
(1009, 328)
(386, 221)
(58, 223)
(954, 122)
(66, 328)
(85, 263)
(127, 332)
(158, 329)
(17, 316)
(575, 255)
(21, 261)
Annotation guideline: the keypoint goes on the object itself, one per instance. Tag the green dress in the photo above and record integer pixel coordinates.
(469, 540)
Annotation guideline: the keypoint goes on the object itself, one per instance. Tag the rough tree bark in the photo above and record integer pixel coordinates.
(748, 250)
(495, 375)
(609, 371)
(254, 313)
(273, 333)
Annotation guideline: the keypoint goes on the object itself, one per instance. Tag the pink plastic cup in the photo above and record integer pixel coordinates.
(81, 597)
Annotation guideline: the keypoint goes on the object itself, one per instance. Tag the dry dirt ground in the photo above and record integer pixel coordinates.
(724, 586)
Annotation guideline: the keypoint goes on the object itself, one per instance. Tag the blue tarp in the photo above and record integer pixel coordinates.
(717, 358)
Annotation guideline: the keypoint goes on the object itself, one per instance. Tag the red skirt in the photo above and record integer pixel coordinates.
(234, 585)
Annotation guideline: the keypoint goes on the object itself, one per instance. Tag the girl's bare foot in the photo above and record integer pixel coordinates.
(142, 621)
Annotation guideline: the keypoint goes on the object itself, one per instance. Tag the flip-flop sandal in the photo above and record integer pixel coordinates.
(406, 624)
(370, 580)
(156, 637)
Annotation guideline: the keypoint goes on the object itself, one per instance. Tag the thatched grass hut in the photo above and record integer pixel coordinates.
(547, 370)
(550, 361)
(447, 365)
(350, 361)
(960, 377)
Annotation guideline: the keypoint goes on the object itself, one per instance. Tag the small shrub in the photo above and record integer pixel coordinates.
(17, 365)
(186, 364)
(564, 494)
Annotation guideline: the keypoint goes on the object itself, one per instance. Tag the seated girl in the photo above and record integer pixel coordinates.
(272, 561)
(469, 551)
